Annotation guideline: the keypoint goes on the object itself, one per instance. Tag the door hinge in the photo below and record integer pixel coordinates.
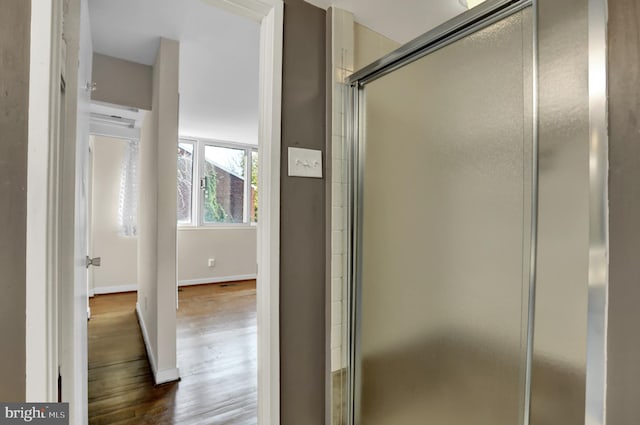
(93, 261)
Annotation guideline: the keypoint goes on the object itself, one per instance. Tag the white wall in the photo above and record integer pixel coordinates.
(370, 46)
(157, 217)
(147, 223)
(234, 251)
(119, 269)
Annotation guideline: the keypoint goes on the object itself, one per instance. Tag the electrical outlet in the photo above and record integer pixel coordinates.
(212, 262)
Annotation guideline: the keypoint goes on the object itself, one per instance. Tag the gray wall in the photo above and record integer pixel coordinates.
(122, 82)
(14, 107)
(302, 261)
(623, 351)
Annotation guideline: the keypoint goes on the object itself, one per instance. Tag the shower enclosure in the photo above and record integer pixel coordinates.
(477, 222)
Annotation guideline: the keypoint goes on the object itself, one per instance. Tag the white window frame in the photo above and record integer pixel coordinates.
(197, 195)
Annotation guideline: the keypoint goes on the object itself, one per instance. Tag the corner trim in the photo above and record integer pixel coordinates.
(166, 376)
(268, 237)
(145, 337)
(162, 376)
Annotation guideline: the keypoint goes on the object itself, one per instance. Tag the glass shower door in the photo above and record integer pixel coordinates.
(445, 233)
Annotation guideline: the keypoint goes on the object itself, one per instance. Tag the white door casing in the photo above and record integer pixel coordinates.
(73, 213)
(81, 223)
(41, 299)
(271, 15)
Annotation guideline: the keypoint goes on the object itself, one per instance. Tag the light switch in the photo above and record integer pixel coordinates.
(305, 163)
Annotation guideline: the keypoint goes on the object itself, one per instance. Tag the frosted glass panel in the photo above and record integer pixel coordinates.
(445, 234)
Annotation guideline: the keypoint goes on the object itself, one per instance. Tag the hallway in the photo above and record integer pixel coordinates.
(217, 338)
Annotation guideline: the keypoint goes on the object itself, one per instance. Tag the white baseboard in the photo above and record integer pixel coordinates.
(159, 376)
(145, 336)
(207, 280)
(101, 290)
(169, 375)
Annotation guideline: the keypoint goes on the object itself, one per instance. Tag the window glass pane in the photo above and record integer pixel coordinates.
(254, 187)
(128, 207)
(185, 181)
(224, 184)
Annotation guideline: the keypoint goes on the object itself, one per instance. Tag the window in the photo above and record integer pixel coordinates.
(185, 181)
(217, 183)
(224, 184)
(128, 205)
(254, 187)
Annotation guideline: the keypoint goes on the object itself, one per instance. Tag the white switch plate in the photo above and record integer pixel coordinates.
(305, 163)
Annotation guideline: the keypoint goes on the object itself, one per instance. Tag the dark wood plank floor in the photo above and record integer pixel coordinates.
(216, 355)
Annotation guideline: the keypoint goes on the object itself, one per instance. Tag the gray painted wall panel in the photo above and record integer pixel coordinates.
(623, 351)
(303, 239)
(122, 82)
(14, 107)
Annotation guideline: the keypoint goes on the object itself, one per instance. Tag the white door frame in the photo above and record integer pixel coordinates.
(43, 194)
(42, 202)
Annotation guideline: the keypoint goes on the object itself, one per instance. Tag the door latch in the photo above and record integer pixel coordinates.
(93, 261)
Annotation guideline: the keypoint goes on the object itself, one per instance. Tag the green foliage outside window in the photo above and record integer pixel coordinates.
(214, 212)
(254, 185)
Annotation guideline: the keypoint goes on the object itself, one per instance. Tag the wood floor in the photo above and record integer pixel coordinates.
(217, 342)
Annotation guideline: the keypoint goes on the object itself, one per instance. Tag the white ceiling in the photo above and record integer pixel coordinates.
(219, 54)
(399, 20)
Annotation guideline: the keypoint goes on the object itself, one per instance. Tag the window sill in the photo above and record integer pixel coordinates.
(222, 226)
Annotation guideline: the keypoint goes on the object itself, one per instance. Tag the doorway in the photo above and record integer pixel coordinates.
(200, 137)
(42, 329)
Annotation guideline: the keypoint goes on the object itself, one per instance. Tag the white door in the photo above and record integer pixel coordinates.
(81, 229)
